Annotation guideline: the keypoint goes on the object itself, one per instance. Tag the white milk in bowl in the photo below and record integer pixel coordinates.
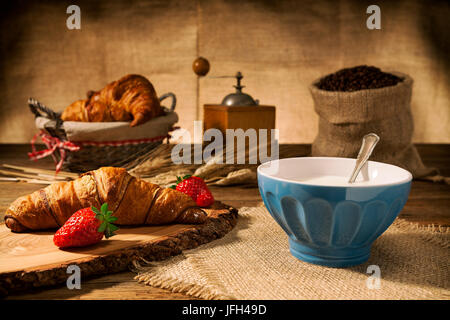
(336, 181)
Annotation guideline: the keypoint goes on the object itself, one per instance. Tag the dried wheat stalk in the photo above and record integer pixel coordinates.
(157, 167)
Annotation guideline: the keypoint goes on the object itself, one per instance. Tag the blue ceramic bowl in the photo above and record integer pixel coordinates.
(330, 222)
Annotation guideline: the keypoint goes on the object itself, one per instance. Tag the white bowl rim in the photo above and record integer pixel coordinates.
(402, 181)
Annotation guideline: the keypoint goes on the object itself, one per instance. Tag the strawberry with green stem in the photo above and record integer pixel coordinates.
(196, 188)
(86, 227)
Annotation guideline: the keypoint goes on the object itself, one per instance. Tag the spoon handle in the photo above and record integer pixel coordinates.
(368, 144)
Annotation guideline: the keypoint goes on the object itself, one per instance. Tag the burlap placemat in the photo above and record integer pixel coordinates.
(253, 262)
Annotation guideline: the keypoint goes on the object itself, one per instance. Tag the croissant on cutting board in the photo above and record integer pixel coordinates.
(133, 201)
(131, 98)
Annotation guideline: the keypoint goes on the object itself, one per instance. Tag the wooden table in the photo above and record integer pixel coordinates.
(429, 203)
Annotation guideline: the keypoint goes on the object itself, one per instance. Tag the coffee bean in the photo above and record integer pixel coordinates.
(358, 78)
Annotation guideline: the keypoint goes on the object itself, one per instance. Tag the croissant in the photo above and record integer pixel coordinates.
(131, 98)
(133, 201)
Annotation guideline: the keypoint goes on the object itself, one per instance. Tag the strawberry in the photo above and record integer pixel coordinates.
(196, 188)
(85, 227)
(205, 198)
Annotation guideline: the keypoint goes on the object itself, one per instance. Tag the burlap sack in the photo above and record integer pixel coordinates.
(345, 117)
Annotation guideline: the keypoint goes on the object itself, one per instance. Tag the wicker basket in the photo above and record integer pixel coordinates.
(100, 151)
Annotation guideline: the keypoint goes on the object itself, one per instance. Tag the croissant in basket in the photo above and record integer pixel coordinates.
(133, 201)
(131, 98)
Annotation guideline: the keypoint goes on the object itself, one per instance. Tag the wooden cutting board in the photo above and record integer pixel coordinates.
(31, 260)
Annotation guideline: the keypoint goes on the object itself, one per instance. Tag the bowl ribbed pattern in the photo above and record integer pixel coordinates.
(332, 226)
(319, 223)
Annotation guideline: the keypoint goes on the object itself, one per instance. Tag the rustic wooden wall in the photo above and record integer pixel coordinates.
(280, 46)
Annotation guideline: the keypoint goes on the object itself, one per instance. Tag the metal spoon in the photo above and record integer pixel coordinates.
(368, 144)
